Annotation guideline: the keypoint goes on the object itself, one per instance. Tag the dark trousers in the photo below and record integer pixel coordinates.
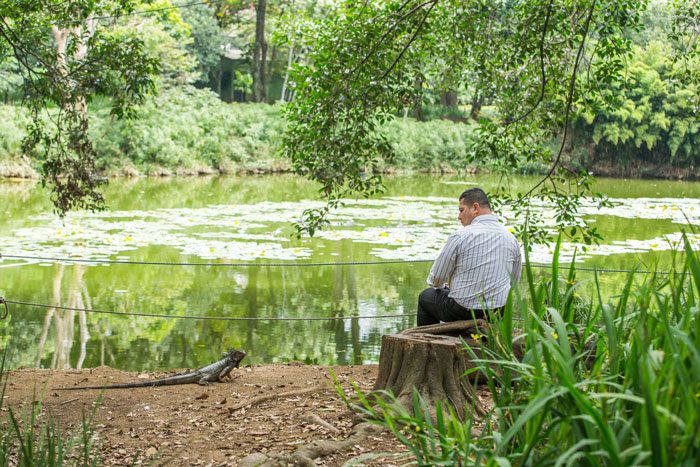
(434, 305)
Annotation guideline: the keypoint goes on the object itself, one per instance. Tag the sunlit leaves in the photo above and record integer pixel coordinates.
(371, 60)
(60, 80)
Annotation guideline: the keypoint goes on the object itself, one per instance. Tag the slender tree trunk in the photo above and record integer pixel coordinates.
(259, 53)
(81, 34)
(477, 102)
(215, 76)
(61, 37)
(286, 74)
(268, 68)
(418, 106)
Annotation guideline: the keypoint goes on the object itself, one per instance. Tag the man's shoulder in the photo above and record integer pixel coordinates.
(488, 223)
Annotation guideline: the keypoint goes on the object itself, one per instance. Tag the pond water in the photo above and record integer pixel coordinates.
(246, 222)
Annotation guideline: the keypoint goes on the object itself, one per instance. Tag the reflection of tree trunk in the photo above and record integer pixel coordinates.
(82, 318)
(337, 286)
(284, 288)
(55, 301)
(103, 342)
(66, 318)
(183, 346)
(350, 283)
(64, 338)
(271, 286)
(259, 53)
(356, 347)
(251, 292)
(338, 311)
(351, 286)
(65, 328)
(344, 283)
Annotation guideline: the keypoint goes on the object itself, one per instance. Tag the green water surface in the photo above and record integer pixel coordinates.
(247, 220)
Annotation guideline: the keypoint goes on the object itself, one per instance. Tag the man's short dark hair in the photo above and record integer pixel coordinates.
(475, 195)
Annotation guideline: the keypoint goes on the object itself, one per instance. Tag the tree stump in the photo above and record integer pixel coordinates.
(432, 360)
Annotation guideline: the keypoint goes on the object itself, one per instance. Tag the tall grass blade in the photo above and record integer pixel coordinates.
(555, 273)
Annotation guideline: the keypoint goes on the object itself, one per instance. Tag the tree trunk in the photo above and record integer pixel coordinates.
(286, 74)
(81, 34)
(259, 53)
(418, 105)
(432, 360)
(448, 99)
(477, 102)
(268, 70)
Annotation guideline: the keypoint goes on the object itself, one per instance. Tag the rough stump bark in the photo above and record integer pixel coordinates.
(432, 360)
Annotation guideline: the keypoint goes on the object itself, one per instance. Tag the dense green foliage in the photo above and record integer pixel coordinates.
(82, 61)
(522, 72)
(187, 130)
(656, 122)
(371, 60)
(190, 129)
(631, 399)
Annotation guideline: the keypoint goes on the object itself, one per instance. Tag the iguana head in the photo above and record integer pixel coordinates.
(235, 356)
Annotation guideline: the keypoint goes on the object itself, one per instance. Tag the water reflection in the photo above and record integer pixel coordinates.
(64, 320)
(188, 219)
(345, 304)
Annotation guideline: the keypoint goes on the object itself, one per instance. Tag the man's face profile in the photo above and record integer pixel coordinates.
(467, 213)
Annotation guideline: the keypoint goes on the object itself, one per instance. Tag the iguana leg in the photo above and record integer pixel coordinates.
(225, 372)
(205, 380)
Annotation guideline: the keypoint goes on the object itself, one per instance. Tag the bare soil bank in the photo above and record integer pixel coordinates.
(205, 425)
(23, 170)
(646, 171)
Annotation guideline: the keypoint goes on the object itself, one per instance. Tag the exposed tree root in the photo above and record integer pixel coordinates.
(316, 420)
(267, 397)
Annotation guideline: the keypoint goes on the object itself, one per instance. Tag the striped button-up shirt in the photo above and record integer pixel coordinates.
(480, 261)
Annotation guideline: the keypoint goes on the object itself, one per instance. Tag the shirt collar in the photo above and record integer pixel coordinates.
(484, 218)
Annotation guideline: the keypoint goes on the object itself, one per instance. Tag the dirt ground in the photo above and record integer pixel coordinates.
(206, 425)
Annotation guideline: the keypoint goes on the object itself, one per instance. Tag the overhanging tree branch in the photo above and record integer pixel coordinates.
(569, 101)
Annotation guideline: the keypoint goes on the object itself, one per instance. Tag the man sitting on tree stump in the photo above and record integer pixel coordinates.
(475, 269)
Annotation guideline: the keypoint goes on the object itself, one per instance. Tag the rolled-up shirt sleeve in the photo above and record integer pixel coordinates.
(444, 265)
(517, 265)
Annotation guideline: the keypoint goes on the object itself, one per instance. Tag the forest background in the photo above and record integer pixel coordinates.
(223, 79)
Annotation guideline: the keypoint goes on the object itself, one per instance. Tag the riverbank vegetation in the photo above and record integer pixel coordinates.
(224, 76)
(188, 131)
(617, 385)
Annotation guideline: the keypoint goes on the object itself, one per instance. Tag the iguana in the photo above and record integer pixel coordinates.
(217, 371)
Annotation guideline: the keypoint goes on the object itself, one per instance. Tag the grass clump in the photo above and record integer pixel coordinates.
(34, 439)
(618, 386)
